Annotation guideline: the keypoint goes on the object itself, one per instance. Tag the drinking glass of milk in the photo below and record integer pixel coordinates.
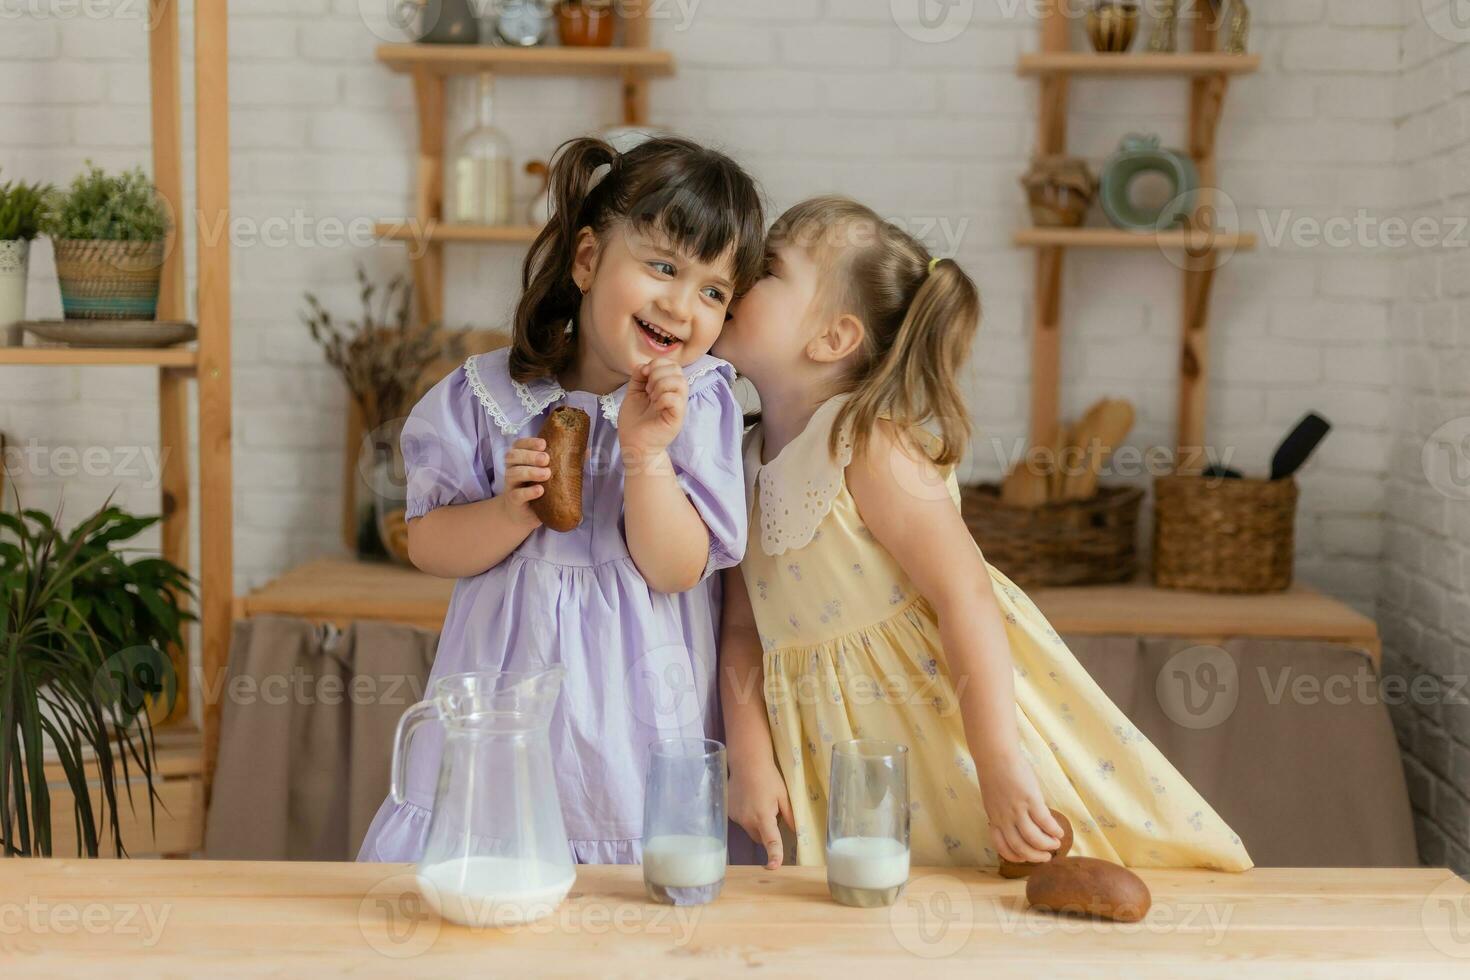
(684, 821)
(868, 822)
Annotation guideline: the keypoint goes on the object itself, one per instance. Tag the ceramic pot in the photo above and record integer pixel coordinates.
(15, 259)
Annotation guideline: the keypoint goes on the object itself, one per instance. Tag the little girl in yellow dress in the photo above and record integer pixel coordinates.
(863, 607)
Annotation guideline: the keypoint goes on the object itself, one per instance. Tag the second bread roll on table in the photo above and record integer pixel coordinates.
(565, 432)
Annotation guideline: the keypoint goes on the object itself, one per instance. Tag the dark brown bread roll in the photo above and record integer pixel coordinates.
(565, 432)
(1020, 869)
(1089, 886)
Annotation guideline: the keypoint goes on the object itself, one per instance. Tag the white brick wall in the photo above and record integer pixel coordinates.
(1423, 611)
(1358, 106)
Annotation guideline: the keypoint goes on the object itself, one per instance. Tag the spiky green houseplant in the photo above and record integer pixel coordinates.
(110, 238)
(102, 207)
(22, 207)
(84, 634)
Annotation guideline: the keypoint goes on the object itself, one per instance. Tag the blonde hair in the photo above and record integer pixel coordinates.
(918, 324)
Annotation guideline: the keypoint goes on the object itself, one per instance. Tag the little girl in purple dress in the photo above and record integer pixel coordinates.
(625, 291)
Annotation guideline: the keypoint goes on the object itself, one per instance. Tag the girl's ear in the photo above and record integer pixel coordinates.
(584, 258)
(837, 340)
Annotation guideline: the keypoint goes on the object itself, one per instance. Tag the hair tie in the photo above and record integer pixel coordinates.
(932, 263)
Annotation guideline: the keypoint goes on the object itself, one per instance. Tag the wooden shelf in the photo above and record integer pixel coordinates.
(340, 590)
(1090, 63)
(1139, 608)
(1118, 238)
(169, 357)
(459, 59)
(434, 231)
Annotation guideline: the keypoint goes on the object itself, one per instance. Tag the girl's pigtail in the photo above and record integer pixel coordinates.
(540, 342)
(915, 380)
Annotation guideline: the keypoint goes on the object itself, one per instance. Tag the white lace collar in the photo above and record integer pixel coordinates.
(798, 487)
(483, 373)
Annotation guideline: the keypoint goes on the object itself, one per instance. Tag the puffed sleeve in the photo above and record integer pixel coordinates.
(444, 446)
(707, 461)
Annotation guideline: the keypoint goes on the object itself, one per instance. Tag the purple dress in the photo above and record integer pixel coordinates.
(640, 664)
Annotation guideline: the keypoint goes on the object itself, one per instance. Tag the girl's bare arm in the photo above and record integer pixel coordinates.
(463, 540)
(903, 499)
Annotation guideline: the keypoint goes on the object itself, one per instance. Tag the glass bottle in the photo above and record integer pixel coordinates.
(480, 169)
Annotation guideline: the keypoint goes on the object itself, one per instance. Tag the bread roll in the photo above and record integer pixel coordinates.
(565, 432)
(1089, 886)
(1020, 869)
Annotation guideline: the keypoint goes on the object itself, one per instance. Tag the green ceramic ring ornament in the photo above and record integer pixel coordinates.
(1140, 154)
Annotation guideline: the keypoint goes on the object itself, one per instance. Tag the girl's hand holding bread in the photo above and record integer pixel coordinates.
(527, 468)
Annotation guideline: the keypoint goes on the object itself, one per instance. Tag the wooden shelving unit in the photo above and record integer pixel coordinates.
(1191, 239)
(1175, 63)
(460, 59)
(178, 358)
(1207, 71)
(186, 753)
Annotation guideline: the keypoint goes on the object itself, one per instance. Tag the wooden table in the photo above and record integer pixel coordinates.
(208, 918)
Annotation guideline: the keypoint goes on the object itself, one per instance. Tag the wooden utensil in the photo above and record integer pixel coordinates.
(1104, 430)
(1056, 471)
(1026, 483)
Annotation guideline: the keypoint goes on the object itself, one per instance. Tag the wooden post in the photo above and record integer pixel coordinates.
(428, 267)
(212, 180)
(637, 29)
(426, 264)
(1046, 316)
(1206, 97)
(173, 400)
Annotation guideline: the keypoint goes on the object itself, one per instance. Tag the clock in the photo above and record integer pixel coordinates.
(523, 23)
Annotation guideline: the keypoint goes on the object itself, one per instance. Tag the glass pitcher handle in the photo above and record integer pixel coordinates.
(412, 719)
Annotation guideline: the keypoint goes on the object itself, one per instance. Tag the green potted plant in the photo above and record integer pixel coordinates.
(109, 233)
(85, 636)
(21, 208)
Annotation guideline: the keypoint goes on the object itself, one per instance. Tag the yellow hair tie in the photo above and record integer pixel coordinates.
(932, 263)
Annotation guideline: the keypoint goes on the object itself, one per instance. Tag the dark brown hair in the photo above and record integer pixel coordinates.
(918, 324)
(700, 199)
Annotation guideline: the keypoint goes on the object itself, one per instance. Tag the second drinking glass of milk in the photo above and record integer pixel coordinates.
(684, 821)
(868, 822)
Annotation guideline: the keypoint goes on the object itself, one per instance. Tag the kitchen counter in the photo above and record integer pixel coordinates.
(65, 917)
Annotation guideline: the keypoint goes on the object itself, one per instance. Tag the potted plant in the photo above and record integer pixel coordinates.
(109, 233)
(383, 358)
(21, 208)
(84, 641)
(586, 23)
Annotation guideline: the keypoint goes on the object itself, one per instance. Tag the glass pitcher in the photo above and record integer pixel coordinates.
(497, 851)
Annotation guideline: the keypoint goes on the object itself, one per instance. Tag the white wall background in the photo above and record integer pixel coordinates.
(1359, 108)
(1424, 607)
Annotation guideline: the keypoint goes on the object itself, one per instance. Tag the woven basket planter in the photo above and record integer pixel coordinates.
(1218, 535)
(109, 280)
(1065, 542)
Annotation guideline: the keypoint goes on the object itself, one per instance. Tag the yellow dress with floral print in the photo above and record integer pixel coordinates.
(852, 650)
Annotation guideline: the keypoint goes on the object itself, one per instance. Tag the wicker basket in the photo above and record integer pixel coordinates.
(1219, 535)
(1065, 542)
(109, 280)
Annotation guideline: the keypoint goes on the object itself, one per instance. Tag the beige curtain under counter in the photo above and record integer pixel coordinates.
(307, 736)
